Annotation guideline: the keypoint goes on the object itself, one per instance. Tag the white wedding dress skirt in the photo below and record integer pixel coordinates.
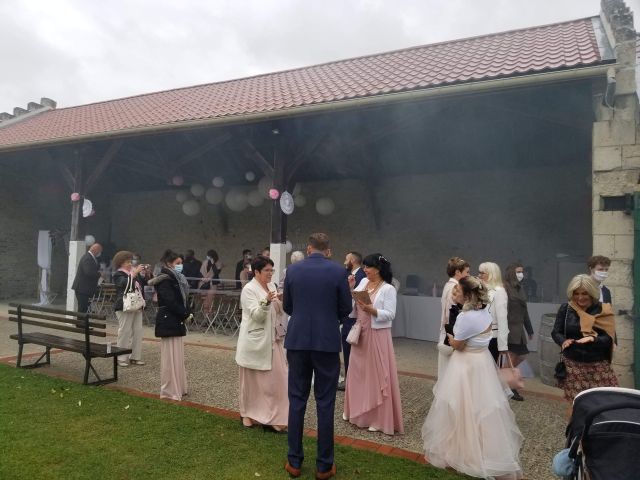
(470, 426)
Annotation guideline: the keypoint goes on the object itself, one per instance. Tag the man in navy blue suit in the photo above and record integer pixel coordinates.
(353, 264)
(317, 297)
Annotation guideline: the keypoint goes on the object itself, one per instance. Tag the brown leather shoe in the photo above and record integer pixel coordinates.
(328, 474)
(293, 471)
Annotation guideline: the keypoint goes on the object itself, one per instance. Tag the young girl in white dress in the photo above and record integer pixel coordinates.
(470, 426)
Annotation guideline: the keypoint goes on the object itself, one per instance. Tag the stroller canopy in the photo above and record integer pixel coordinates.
(606, 425)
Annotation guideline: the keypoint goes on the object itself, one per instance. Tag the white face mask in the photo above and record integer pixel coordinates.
(600, 275)
(519, 276)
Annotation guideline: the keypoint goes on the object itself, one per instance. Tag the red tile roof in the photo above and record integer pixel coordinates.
(532, 50)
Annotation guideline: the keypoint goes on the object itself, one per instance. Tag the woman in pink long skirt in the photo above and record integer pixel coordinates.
(372, 391)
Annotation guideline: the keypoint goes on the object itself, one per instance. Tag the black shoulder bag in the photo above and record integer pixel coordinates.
(561, 368)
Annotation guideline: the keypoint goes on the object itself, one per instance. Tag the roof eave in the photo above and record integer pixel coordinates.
(503, 83)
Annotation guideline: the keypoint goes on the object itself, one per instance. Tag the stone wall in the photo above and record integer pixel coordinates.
(30, 203)
(616, 172)
(529, 214)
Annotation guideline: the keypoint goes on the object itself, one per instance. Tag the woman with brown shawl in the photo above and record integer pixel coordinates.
(585, 330)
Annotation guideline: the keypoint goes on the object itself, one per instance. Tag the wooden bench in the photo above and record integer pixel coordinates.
(61, 320)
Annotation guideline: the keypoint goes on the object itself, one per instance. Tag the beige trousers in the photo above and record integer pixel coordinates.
(130, 334)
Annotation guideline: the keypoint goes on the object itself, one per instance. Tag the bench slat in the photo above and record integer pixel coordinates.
(68, 313)
(52, 326)
(71, 344)
(57, 318)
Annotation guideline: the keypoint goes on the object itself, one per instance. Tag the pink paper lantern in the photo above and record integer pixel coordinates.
(75, 197)
(178, 180)
(274, 194)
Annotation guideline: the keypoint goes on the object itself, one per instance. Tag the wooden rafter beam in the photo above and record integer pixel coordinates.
(306, 154)
(142, 171)
(253, 154)
(201, 150)
(67, 175)
(104, 162)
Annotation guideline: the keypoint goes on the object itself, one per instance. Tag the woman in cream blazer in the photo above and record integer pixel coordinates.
(260, 351)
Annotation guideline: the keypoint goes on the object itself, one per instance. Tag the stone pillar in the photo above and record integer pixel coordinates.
(616, 170)
(76, 250)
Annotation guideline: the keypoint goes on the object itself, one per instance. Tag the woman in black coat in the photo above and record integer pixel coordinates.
(585, 330)
(173, 310)
(520, 329)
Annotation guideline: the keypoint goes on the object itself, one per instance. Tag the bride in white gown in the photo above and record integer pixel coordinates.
(470, 426)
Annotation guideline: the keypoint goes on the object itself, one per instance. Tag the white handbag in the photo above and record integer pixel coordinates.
(443, 349)
(354, 334)
(132, 301)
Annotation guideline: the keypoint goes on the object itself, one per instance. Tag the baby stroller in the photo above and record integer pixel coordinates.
(603, 435)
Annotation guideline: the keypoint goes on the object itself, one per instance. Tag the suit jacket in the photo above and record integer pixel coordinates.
(316, 296)
(87, 275)
(359, 276)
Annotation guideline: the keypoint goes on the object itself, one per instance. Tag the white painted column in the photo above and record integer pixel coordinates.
(278, 252)
(76, 250)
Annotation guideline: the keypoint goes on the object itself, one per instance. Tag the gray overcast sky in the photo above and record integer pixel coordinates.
(82, 51)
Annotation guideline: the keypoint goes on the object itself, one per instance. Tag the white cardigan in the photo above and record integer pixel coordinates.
(498, 301)
(385, 304)
(254, 348)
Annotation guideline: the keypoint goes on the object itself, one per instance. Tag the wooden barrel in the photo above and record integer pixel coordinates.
(548, 350)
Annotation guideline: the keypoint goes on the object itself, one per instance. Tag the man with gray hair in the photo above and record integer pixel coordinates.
(85, 283)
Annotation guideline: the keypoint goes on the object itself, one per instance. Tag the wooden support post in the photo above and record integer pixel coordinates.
(278, 218)
(76, 208)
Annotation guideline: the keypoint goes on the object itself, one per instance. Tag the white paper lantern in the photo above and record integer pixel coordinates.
(255, 198)
(289, 246)
(236, 200)
(87, 208)
(325, 206)
(182, 196)
(191, 208)
(296, 189)
(264, 185)
(218, 182)
(89, 240)
(214, 196)
(299, 200)
(197, 190)
(250, 176)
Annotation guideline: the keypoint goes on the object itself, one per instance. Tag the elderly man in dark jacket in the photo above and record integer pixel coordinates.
(85, 282)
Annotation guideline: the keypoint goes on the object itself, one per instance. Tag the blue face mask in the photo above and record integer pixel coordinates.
(178, 268)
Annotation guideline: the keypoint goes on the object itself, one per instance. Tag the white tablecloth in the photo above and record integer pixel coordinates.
(419, 318)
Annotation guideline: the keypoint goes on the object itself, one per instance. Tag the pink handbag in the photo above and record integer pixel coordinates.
(509, 374)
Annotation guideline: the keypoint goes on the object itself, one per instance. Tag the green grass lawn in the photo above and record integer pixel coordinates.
(54, 429)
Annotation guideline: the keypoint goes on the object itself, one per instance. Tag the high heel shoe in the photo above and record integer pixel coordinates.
(242, 419)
